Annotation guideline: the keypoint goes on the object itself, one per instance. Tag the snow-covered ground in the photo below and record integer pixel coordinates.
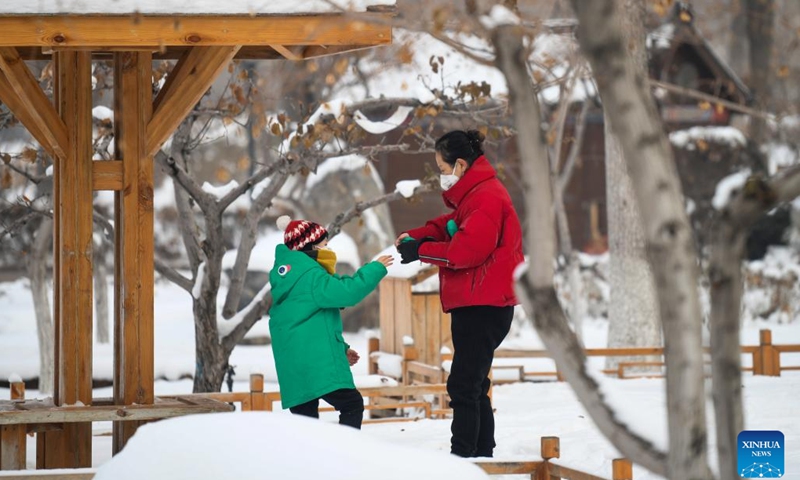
(525, 411)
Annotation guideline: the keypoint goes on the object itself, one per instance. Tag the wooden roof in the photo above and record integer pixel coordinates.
(294, 36)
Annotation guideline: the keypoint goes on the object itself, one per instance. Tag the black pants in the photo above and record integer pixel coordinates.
(477, 332)
(347, 401)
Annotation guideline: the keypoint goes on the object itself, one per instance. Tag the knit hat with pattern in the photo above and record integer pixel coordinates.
(301, 234)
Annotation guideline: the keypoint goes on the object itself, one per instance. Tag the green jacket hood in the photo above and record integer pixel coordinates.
(290, 266)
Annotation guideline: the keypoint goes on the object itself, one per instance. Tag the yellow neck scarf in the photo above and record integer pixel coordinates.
(327, 258)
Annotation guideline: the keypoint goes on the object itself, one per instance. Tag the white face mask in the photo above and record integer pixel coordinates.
(447, 181)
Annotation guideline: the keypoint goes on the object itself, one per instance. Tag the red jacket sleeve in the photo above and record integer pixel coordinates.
(476, 239)
(436, 228)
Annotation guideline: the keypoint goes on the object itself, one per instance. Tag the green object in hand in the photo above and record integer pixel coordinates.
(452, 228)
(407, 239)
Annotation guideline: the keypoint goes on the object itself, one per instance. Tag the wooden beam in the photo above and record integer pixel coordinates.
(107, 175)
(31, 105)
(247, 52)
(185, 86)
(12, 101)
(287, 53)
(72, 447)
(98, 31)
(173, 407)
(134, 266)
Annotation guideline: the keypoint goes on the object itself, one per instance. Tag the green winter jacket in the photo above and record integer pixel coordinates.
(305, 325)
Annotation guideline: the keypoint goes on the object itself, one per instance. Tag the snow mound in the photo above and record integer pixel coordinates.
(237, 446)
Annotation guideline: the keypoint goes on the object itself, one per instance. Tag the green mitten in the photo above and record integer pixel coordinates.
(407, 239)
(452, 228)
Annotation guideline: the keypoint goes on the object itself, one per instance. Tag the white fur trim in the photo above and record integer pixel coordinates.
(283, 222)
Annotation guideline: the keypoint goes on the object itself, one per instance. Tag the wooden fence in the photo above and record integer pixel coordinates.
(766, 361)
(545, 469)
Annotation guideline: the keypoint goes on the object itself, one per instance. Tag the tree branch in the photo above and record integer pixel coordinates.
(248, 240)
(335, 227)
(732, 226)
(204, 200)
(575, 149)
(260, 175)
(172, 275)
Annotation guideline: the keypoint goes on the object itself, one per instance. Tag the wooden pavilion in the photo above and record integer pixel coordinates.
(203, 43)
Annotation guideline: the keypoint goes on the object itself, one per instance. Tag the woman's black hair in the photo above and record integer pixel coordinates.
(460, 144)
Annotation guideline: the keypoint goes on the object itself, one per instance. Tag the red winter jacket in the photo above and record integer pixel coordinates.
(476, 266)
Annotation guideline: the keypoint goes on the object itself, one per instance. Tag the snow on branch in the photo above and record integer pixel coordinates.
(204, 200)
(335, 227)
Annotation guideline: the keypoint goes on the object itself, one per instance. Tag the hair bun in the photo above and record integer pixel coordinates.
(476, 139)
(283, 222)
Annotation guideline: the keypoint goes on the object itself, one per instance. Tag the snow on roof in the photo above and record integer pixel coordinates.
(723, 135)
(235, 446)
(181, 7)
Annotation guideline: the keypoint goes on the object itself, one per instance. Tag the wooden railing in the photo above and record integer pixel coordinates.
(259, 400)
(545, 469)
(19, 417)
(766, 361)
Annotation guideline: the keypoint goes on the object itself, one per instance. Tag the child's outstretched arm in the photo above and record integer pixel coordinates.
(346, 291)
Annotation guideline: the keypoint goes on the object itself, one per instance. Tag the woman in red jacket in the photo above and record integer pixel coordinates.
(476, 247)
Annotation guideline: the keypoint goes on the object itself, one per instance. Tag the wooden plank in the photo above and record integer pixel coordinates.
(134, 372)
(12, 447)
(185, 85)
(107, 175)
(508, 468)
(386, 308)
(13, 102)
(112, 413)
(80, 474)
(447, 332)
(433, 326)
(572, 474)
(32, 104)
(418, 312)
(206, 30)
(402, 313)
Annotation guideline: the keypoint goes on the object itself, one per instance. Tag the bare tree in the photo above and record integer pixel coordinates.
(669, 242)
(535, 287)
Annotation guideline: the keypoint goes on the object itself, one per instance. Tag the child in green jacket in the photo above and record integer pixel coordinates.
(311, 357)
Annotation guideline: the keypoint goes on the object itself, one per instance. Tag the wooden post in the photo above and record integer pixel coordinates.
(17, 390)
(134, 261)
(12, 437)
(257, 400)
(551, 448)
(72, 235)
(373, 345)
(767, 359)
(622, 469)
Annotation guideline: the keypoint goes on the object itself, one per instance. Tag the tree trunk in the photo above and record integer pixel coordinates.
(760, 16)
(633, 306)
(210, 361)
(535, 288)
(631, 110)
(101, 292)
(738, 48)
(37, 272)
